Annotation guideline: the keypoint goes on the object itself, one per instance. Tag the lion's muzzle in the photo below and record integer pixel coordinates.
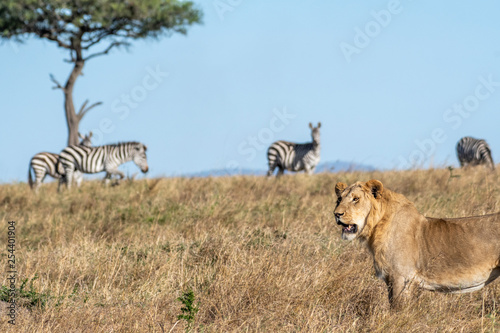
(346, 228)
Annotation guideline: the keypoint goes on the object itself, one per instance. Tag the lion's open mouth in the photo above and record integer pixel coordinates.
(348, 228)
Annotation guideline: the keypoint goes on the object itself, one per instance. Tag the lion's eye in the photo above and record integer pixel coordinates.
(355, 199)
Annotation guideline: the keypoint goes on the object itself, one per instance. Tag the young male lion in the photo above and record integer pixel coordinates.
(449, 255)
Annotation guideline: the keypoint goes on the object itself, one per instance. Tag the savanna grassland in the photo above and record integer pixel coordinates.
(259, 255)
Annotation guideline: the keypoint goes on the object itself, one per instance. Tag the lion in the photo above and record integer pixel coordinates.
(455, 255)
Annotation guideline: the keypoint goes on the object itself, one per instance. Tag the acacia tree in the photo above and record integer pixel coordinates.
(91, 28)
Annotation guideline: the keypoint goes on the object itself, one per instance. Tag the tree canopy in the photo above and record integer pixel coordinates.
(100, 25)
(82, 24)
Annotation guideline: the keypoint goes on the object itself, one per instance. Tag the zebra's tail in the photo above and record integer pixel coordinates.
(489, 159)
(492, 164)
(30, 178)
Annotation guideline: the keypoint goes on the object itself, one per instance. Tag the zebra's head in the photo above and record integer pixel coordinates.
(139, 156)
(315, 133)
(85, 139)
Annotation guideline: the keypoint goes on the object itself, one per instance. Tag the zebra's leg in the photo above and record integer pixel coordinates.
(112, 172)
(39, 177)
(107, 178)
(271, 169)
(281, 171)
(62, 180)
(69, 177)
(78, 178)
(36, 185)
(119, 173)
(309, 170)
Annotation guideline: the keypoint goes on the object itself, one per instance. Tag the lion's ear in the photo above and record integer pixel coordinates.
(376, 187)
(339, 188)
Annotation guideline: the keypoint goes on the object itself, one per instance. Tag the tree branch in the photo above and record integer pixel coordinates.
(105, 51)
(84, 110)
(73, 59)
(51, 37)
(95, 37)
(57, 84)
(83, 106)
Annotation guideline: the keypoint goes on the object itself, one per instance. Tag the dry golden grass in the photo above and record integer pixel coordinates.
(261, 255)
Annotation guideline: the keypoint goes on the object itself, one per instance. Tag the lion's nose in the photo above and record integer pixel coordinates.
(339, 215)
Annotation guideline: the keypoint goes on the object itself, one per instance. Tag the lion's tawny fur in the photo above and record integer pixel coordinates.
(450, 254)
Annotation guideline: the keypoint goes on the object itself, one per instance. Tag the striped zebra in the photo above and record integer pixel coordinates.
(471, 151)
(295, 156)
(103, 158)
(45, 163)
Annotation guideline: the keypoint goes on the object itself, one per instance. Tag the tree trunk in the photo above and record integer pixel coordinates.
(72, 118)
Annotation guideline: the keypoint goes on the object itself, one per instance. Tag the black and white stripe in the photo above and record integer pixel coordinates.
(103, 158)
(471, 151)
(295, 156)
(45, 163)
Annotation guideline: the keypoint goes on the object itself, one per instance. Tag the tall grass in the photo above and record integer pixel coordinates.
(259, 255)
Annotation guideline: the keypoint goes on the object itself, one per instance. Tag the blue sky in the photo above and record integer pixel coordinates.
(395, 84)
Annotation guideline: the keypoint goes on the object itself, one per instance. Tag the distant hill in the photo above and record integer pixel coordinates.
(322, 167)
(343, 166)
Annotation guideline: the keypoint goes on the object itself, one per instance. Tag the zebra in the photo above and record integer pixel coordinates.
(471, 151)
(103, 158)
(295, 156)
(45, 163)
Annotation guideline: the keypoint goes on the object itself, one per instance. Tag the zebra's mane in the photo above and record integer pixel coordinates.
(119, 144)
